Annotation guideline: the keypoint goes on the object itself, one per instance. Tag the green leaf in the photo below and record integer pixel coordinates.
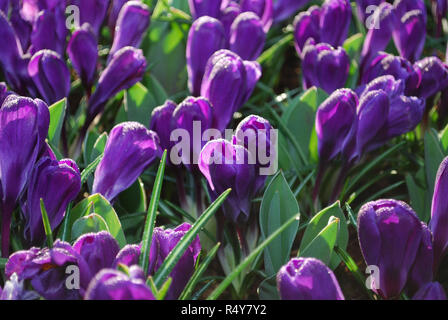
(434, 155)
(133, 199)
(98, 147)
(151, 215)
(249, 259)
(353, 45)
(418, 198)
(277, 207)
(321, 247)
(139, 103)
(173, 257)
(57, 115)
(103, 208)
(320, 222)
(186, 293)
(90, 168)
(87, 224)
(46, 223)
(268, 289)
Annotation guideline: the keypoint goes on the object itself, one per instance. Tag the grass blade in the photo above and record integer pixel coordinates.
(90, 168)
(66, 222)
(198, 273)
(46, 222)
(174, 256)
(243, 265)
(151, 216)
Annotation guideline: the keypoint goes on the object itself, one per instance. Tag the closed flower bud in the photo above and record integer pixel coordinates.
(306, 26)
(307, 279)
(421, 272)
(409, 35)
(363, 9)
(264, 9)
(389, 235)
(161, 123)
(110, 284)
(206, 36)
(247, 37)
(335, 123)
(430, 291)
(132, 23)
(46, 34)
(199, 8)
(57, 183)
(130, 148)
(92, 12)
(50, 74)
(283, 9)
(335, 17)
(83, 53)
(434, 77)
(225, 166)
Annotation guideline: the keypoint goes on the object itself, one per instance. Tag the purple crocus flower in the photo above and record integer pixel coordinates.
(307, 279)
(163, 242)
(226, 85)
(110, 284)
(82, 50)
(228, 15)
(92, 12)
(23, 128)
(115, 9)
(439, 214)
(283, 9)
(380, 33)
(130, 148)
(409, 35)
(247, 36)
(264, 9)
(335, 120)
(225, 165)
(132, 23)
(206, 36)
(335, 17)
(431, 291)
(46, 33)
(199, 8)
(256, 135)
(363, 9)
(434, 77)
(306, 26)
(45, 269)
(50, 74)
(57, 183)
(4, 6)
(389, 235)
(161, 123)
(125, 69)
(194, 116)
(99, 251)
(324, 66)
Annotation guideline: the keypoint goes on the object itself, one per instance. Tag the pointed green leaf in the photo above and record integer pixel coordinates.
(57, 115)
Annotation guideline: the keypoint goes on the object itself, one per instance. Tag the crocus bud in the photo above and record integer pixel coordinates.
(372, 123)
(409, 35)
(114, 12)
(110, 284)
(421, 272)
(224, 85)
(92, 12)
(324, 66)
(194, 116)
(335, 123)
(257, 135)
(163, 242)
(380, 32)
(228, 15)
(402, 7)
(225, 165)
(264, 9)
(46, 35)
(439, 214)
(82, 50)
(366, 8)
(206, 36)
(98, 250)
(199, 8)
(247, 37)
(283, 9)
(50, 74)
(335, 17)
(132, 23)
(125, 69)
(130, 148)
(22, 133)
(57, 183)
(307, 279)
(389, 234)
(46, 270)
(430, 291)
(434, 77)
(161, 123)
(306, 26)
